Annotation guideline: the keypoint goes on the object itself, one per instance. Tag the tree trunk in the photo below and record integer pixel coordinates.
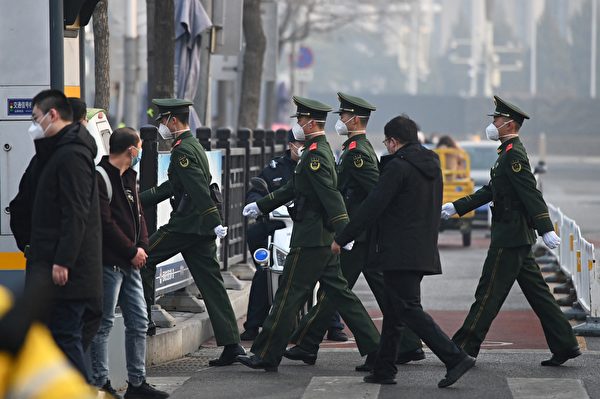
(253, 64)
(161, 51)
(101, 59)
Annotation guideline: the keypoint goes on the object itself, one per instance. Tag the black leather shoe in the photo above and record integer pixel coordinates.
(412, 356)
(457, 371)
(559, 358)
(151, 329)
(335, 334)
(255, 362)
(297, 353)
(249, 335)
(368, 364)
(228, 356)
(379, 379)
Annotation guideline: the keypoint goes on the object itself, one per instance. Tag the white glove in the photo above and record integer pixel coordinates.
(221, 231)
(448, 210)
(551, 239)
(251, 210)
(348, 247)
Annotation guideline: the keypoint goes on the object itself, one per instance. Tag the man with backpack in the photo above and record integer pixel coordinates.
(125, 242)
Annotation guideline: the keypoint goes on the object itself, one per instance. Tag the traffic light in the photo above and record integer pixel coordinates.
(77, 13)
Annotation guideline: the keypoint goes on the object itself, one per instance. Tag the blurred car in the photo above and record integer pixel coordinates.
(483, 155)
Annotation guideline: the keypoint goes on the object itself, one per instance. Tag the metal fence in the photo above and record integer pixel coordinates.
(245, 154)
(576, 260)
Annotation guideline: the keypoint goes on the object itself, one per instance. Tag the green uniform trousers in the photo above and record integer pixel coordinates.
(501, 268)
(199, 253)
(303, 268)
(312, 327)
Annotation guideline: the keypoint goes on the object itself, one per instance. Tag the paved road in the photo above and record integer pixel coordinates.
(507, 368)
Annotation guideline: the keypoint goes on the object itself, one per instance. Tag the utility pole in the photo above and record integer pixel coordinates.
(594, 44)
(533, 52)
(57, 52)
(132, 110)
(477, 17)
(412, 84)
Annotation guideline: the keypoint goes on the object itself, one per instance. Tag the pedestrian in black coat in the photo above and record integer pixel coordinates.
(403, 210)
(62, 237)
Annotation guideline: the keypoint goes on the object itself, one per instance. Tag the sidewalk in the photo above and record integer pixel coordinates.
(190, 331)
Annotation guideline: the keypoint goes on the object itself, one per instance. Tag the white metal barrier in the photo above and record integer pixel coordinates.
(576, 258)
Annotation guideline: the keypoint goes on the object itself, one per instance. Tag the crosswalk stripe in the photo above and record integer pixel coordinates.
(544, 388)
(340, 387)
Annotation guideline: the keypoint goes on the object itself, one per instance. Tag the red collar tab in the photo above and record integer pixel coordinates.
(352, 145)
(177, 143)
(313, 147)
(509, 147)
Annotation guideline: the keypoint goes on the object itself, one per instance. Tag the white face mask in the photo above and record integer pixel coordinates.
(164, 131)
(492, 132)
(35, 129)
(298, 131)
(341, 128)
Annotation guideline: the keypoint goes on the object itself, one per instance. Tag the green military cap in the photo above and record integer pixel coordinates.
(311, 108)
(167, 106)
(355, 105)
(508, 110)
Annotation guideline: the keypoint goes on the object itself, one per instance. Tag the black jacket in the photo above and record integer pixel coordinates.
(60, 192)
(123, 224)
(276, 174)
(404, 210)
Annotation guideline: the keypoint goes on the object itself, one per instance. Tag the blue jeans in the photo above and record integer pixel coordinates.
(124, 289)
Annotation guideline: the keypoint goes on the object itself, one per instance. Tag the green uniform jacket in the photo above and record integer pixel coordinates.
(194, 211)
(313, 187)
(518, 206)
(358, 173)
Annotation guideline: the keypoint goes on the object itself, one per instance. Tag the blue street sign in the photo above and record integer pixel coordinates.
(305, 58)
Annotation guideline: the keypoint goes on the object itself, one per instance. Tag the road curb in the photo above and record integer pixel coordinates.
(190, 331)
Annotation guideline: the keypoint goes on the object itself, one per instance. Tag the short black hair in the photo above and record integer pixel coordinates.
(403, 129)
(183, 117)
(79, 108)
(123, 138)
(48, 99)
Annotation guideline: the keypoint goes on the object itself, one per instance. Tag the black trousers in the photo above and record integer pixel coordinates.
(402, 291)
(66, 325)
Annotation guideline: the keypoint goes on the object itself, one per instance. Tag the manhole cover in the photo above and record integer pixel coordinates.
(186, 366)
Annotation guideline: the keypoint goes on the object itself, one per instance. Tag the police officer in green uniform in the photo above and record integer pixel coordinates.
(319, 213)
(358, 173)
(518, 209)
(194, 225)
